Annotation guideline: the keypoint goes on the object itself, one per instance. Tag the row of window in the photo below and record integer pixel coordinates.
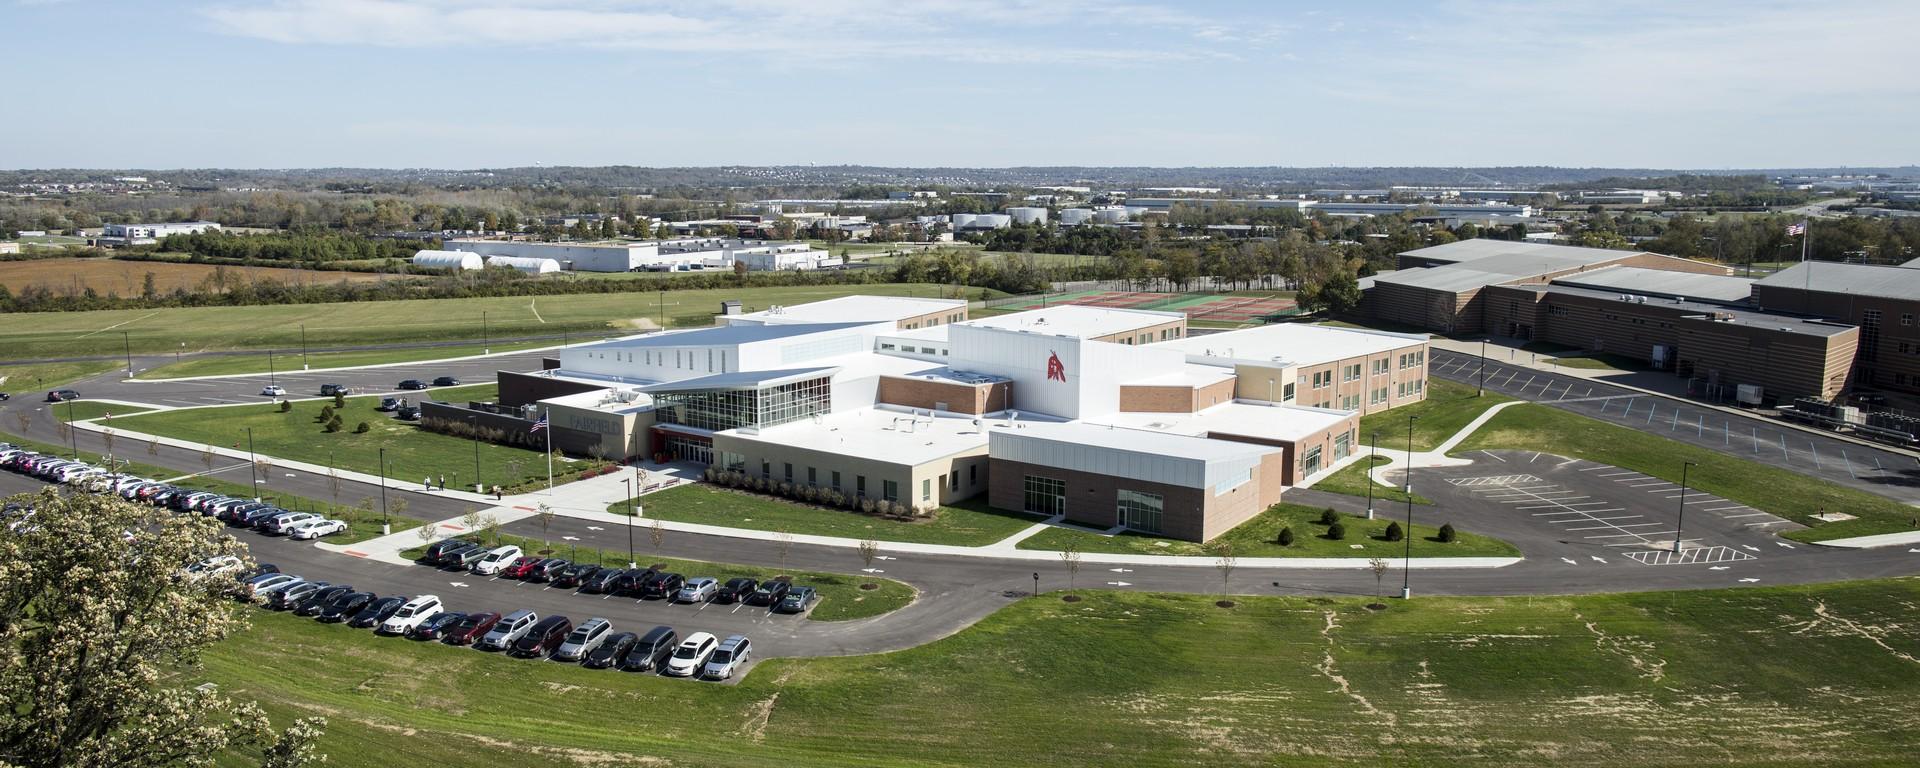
(1375, 396)
(1322, 379)
(1136, 510)
(933, 321)
(1147, 338)
(731, 409)
(889, 489)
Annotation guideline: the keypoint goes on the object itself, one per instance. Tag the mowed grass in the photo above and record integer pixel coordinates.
(412, 453)
(60, 334)
(841, 598)
(969, 524)
(1800, 676)
(289, 361)
(128, 278)
(1353, 481)
(81, 410)
(1782, 492)
(1449, 407)
(34, 379)
(1259, 538)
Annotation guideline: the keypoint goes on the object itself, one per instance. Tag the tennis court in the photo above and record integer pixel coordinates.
(1217, 307)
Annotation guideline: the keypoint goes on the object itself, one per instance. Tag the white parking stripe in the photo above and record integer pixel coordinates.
(1616, 527)
(1616, 474)
(1749, 514)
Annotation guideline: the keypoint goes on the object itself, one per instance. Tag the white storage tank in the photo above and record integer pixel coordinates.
(992, 221)
(447, 260)
(1028, 215)
(1075, 216)
(960, 220)
(527, 264)
(1111, 215)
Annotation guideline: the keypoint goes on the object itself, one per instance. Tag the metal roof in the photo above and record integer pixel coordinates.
(1478, 248)
(724, 335)
(1805, 326)
(1837, 277)
(1660, 282)
(740, 380)
(1450, 278)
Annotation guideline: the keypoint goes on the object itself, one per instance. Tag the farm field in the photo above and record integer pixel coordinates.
(1797, 676)
(39, 335)
(127, 278)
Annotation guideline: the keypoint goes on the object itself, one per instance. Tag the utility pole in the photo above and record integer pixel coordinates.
(253, 465)
(386, 525)
(127, 342)
(1684, 466)
(628, 482)
(271, 379)
(1406, 567)
(484, 349)
(478, 486)
(303, 346)
(1483, 369)
(1373, 446)
(73, 433)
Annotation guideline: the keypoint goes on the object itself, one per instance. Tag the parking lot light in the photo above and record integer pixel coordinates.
(1406, 568)
(1682, 519)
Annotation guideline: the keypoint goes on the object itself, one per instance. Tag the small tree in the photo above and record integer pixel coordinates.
(869, 549)
(1286, 536)
(783, 542)
(1329, 517)
(1223, 560)
(490, 524)
(23, 420)
(427, 532)
(1070, 555)
(398, 508)
(1337, 531)
(1379, 566)
(264, 466)
(153, 446)
(286, 406)
(206, 457)
(544, 514)
(657, 533)
(106, 441)
(1393, 532)
(1447, 535)
(326, 414)
(333, 424)
(471, 519)
(359, 430)
(339, 400)
(333, 483)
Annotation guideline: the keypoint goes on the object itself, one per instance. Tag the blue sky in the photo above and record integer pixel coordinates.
(471, 83)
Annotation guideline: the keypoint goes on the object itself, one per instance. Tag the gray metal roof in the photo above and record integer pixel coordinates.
(1475, 249)
(1448, 278)
(1660, 282)
(1806, 326)
(1837, 277)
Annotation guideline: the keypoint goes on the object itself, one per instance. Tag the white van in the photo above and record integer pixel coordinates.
(410, 615)
(691, 655)
(511, 627)
(498, 558)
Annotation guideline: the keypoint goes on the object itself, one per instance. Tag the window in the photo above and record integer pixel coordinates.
(1381, 366)
(860, 485)
(1906, 318)
(1342, 445)
(972, 475)
(926, 489)
(1139, 511)
(885, 346)
(1311, 464)
(1044, 495)
(1287, 395)
(734, 461)
(926, 350)
(836, 481)
(729, 409)
(889, 490)
(952, 480)
(787, 471)
(1352, 373)
(766, 469)
(813, 477)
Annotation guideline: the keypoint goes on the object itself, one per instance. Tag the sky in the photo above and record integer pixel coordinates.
(976, 83)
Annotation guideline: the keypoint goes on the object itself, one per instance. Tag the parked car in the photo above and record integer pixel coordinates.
(407, 413)
(611, 650)
(446, 381)
(797, 600)
(571, 576)
(329, 390)
(410, 615)
(212, 566)
(273, 390)
(521, 567)
(661, 585)
(628, 582)
(345, 606)
(735, 590)
(294, 595)
(377, 612)
(496, 559)
(470, 628)
(546, 569)
(770, 593)
(258, 587)
(465, 557)
(313, 529)
(602, 582)
(435, 627)
(411, 384)
(543, 638)
(317, 600)
(697, 590)
(440, 548)
(510, 629)
(583, 639)
(691, 654)
(387, 404)
(284, 524)
(62, 395)
(651, 650)
(728, 658)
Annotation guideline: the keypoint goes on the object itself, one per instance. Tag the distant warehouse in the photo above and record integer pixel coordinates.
(682, 255)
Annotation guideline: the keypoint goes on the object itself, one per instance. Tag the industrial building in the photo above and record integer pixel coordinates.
(1337, 208)
(1881, 302)
(1107, 417)
(115, 235)
(658, 255)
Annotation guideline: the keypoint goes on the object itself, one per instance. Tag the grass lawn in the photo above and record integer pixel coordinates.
(81, 410)
(970, 524)
(34, 379)
(1448, 408)
(286, 361)
(1782, 492)
(33, 335)
(1256, 538)
(411, 452)
(841, 598)
(1353, 481)
(1573, 357)
(1799, 676)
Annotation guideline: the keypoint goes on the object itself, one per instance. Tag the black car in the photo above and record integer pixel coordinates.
(769, 593)
(602, 582)
(662, 585)
(295, 596)
(650, 650)
(446, 381)
(439, 549)
(411, 384)
(320, 599)
(335, 389)
(574, 575)
(628, 582)
(407, 413)
(735, 590)
(62, 395)
(610, 651)
(543, 638)
(376, 612)
(435, 626)
(546, 570)
(345, 606)
(387, 404)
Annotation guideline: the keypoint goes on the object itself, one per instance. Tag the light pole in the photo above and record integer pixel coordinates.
(1374, 458)
(478, 486)
(628, 482)
(271, 379)
(127, 343)
(663, 309)
(73, 434)
(483, 333)
(303, 346)
(1483, 369)
(386, 523)
(1406, 561)
(1684, 466)
(253, 465)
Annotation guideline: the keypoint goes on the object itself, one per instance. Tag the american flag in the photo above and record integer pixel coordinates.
(1796, 229)
(539, 425)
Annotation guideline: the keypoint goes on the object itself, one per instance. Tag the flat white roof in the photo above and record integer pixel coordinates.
(1280, 422)
(879, 434)
(1290, 344)
(605, 400)
(1187, 375)
(1117, 437)
(854, 309)
(1078, 321)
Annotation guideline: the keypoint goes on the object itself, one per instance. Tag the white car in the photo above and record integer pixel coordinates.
(212, 566)
(691, 655)
(410, 615)
(273, 390)
(263, 585)
(313, 529)
(498, 558)
(283, 524)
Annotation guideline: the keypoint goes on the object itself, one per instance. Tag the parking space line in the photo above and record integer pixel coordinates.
(1616, 474)
(1723, 509)
(1747, 514)
(1616, 527)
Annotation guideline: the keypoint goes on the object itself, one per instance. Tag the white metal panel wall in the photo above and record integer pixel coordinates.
(1023, 357)
(1013, 444)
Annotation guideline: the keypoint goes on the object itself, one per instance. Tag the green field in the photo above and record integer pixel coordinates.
(1353, 481)
(841, 598)
(34, 379)
(1449, 407)
(289, 361)
(1801, 676)
(411, 453)
(28, 336)
(970, 524)
(81, 410)
(1257, 538)
(1782, 492)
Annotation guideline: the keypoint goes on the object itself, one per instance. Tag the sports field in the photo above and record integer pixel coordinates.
(1210, 307)
(128, 278)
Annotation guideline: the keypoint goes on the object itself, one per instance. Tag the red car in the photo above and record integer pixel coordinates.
(520, 567)
(469, 629)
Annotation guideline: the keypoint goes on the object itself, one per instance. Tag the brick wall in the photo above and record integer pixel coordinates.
(959, 398)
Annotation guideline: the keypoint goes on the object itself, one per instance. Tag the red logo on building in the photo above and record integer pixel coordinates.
(1056, 370)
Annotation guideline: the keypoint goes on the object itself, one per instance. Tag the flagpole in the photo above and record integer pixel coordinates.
(549, 431)
(1806, 233)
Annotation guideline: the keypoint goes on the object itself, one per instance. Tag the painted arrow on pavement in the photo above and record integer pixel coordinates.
(460, 584)
(1121, 570)
(570, 538)
(882, 557)
(1597, 558)
(1119, 584)
(1717, 568)
(1748, 580)
(1783, 544)
(1750, 546)
(871, 570)
(1569, 561)
(595, 528)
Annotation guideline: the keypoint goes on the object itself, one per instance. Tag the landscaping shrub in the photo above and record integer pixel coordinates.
(326, 415)
(1329, 517)
(339, 400)
(1393, 532)
(286, 405)
(361, 429)
(334, 423)
(1337, 531)
(1447, 536)
(1286, 537)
